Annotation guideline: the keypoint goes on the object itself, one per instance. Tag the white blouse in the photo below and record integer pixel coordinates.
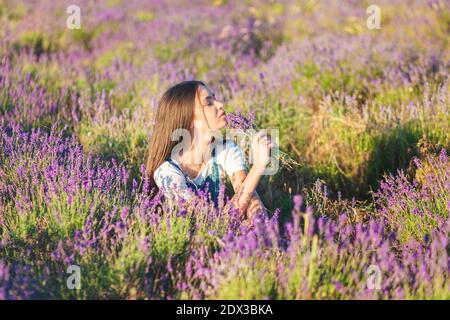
(172, 180)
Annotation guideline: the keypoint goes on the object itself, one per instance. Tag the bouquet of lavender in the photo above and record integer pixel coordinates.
(246, 125)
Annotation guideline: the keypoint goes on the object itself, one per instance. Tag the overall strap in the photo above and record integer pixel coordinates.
(188, 180)
(174, 163)
(214, 179)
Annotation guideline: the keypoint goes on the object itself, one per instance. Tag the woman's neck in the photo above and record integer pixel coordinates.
(199, 153)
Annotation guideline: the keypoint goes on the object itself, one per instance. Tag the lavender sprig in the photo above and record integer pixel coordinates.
(237, 121)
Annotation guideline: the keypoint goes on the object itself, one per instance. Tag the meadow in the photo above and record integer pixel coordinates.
(363, 113)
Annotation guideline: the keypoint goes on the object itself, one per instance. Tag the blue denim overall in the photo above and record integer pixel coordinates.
(211, 183)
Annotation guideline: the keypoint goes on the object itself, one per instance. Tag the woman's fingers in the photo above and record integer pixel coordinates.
(262, 137)
(262, 147)
(259, 136)
(265, 141)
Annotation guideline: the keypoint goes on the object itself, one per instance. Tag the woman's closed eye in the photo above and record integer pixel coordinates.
(210, 100)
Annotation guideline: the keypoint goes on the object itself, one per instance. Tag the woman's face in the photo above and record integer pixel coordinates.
(208, 114)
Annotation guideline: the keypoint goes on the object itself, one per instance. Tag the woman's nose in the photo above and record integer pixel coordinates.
(219, 105)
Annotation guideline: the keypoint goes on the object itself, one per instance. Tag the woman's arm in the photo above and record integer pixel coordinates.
(245, 185)
(251, 206)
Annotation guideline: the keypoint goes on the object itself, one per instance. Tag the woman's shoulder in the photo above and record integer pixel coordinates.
(169, 175)
(168, 166)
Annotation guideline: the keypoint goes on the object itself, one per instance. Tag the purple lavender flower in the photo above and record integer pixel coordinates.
(235, 120)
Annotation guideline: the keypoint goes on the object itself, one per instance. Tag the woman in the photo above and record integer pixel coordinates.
(203, 161)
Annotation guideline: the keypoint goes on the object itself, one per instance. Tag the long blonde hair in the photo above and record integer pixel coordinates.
(175, 111)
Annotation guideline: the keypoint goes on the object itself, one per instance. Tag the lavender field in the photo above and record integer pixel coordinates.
(363, 115)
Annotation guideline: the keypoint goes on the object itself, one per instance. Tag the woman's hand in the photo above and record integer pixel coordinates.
(261, 146)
